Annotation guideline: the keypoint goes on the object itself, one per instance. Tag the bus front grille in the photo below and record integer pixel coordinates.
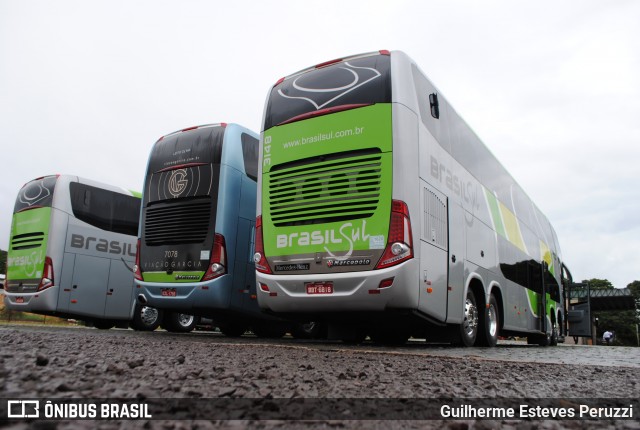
(177, 223)
(27, 240)
(325, 189)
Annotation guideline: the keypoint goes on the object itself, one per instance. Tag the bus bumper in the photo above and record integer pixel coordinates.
(352, 291)
(186, 296)
(41, 301)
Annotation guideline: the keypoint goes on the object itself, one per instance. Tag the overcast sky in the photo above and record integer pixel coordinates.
(552, 88)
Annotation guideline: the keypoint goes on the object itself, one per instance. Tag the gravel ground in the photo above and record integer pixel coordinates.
(87, 363)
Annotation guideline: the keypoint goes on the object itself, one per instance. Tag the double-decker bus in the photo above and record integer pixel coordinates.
(383, 214)
(197, 229)
(71, 253)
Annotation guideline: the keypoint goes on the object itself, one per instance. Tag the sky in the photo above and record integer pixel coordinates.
(551, 87)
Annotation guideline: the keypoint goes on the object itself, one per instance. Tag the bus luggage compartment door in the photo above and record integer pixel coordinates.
(433, 252)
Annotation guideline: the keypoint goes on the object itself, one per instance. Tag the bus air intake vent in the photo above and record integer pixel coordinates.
(325, 189)
(27, 240)
(177, 222)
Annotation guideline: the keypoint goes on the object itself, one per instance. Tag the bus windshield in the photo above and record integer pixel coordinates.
(357, 81)
(35, 194)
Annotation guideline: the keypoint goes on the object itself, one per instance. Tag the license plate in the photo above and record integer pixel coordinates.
(168, 292)
(319, 288)
(19, 299)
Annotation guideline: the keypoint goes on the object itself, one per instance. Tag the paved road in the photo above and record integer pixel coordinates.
(53, 363)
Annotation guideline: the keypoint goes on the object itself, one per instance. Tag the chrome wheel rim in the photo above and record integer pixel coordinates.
(492, 317)
(470, 322)
(149, 315)
(185, 320)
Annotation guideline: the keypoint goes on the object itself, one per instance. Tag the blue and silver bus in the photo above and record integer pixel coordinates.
(197, 229)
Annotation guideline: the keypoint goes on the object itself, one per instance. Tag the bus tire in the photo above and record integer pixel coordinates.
(490, 324)
(553, 341)
(103, 324)
(469, 326)
(176, 322)
(146, 318)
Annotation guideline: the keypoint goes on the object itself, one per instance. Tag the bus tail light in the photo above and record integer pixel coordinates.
(47, 275)
(399, 244)
(136, 267)
(218, 262)
(262, 265)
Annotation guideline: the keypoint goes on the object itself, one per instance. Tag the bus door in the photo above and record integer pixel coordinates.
(456, 257)
(434, 250)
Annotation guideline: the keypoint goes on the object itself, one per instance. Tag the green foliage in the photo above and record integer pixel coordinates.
(622, 323)
(599, 284)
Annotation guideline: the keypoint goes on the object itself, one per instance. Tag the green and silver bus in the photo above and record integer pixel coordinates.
(72, 250)
(381, 213)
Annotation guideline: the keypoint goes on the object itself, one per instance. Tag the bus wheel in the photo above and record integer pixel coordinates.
(488, 331)
(103, 324)
(553, 341)
(232, 330)
(146, 318)
(469, 326)
(179, 323)
(269, 331)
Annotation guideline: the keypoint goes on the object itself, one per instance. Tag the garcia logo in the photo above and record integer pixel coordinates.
(177, 182)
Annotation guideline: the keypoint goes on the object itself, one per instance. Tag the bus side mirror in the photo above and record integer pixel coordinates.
(433, 102)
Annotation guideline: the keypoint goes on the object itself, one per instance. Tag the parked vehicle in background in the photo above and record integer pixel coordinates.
(72, 250)
(197, 230)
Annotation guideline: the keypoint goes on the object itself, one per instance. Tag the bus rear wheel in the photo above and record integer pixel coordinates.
(469, 326)
(146, 318)
(176, 322)
(488, 330)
